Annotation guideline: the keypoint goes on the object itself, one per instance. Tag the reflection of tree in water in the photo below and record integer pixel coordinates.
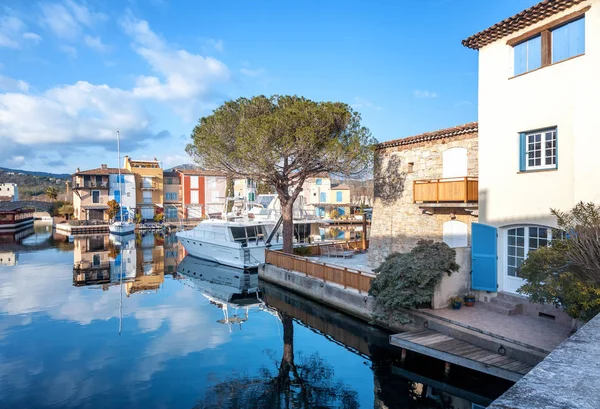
(305, 382)
(392, 391)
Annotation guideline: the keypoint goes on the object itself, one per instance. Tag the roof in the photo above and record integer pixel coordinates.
(100, 171)
(526, 18)
(470, 128)
(14, 206)
(95, 207)
(340, 187)
(200, 172)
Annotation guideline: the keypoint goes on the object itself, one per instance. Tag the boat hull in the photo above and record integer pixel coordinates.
(121, 229)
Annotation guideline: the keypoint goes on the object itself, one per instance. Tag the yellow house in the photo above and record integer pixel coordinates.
(149, 185)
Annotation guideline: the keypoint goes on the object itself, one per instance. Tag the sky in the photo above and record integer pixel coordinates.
(73, 72)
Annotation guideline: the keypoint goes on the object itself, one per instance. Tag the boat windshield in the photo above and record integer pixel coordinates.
(248, 234)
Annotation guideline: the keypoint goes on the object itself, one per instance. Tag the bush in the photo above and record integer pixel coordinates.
(303, 251)
(408, 280)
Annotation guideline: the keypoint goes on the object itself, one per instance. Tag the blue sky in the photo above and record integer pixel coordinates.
(72, 72)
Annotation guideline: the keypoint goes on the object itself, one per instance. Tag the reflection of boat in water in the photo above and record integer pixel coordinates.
(230, 289)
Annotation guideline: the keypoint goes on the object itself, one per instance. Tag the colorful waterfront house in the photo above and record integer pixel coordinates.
(15, 217)
(427, 190)
(122, 189)
(538, 131)
(94, 188)
(203, 192)
(173, 200)
(9, 192)
(319, 196)
(149, 186)
(245, 189)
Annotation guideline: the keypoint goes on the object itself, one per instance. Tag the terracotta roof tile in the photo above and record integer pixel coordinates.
(340, 187)
(200, 172)
(470, 128)
(100, 171)
(526, 18)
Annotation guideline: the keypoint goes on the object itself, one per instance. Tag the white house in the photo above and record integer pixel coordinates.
(539, 86)
(123, 189)
(9, 191)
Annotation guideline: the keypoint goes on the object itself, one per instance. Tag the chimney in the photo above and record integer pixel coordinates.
(125, 161)
(104, 166)
(78, 170)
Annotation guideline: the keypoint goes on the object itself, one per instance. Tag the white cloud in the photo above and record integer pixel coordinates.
(68, 19)
(36, 38)
(12, 31)
(69, 50)
(424, 94)
(360, 103)
(248, 72)
(95, 43)
(181, 77)
(9, 85)
(216, 44)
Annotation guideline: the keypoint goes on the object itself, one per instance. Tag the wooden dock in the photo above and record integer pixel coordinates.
(455, 351)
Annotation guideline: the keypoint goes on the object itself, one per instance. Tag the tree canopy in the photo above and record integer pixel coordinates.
(281, 141)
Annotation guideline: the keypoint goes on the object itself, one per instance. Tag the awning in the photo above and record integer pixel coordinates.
(94, 207)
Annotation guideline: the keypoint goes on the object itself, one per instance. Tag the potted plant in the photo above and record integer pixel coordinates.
(456, 303)
(469, 299)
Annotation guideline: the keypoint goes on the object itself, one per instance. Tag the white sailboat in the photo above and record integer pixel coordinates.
(120, 227)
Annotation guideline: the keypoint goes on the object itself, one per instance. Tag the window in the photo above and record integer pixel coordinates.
(528, 55)
(411, 167)
(194, 182)
(522, 240)
(171, 196)
(338, 197)
(117, 196)
(319, 182)
(95, 196)
(455, 233)
(147, 197)
(568, 40)
(539, 150)
(323, 197)
(169, 181)
(251, 197)
(550, 45)
(194, 197)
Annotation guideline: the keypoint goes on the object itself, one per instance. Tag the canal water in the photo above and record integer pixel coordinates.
(103, 323)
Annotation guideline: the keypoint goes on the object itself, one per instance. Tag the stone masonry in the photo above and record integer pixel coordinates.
(399, 223)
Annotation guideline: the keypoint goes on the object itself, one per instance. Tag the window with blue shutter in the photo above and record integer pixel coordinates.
(538, 150)
(528, 55)
(117, 196)
(323, 197)
(338, 197)
(568, 40)
(319, 182)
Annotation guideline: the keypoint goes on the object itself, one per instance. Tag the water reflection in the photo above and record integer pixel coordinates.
(194, 334)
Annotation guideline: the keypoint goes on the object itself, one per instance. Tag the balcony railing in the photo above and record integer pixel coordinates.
(450, 190)
(91, 185)
(149, 186)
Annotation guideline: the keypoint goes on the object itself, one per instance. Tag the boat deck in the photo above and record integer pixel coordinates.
(462, 353)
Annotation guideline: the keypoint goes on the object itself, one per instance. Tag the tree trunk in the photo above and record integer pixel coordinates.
(287, 211)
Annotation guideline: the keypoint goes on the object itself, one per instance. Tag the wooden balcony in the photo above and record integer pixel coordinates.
(451, 190)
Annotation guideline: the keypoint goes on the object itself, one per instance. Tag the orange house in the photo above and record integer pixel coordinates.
(202, 192)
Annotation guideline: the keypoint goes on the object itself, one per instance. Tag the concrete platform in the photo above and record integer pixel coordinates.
(536, 332)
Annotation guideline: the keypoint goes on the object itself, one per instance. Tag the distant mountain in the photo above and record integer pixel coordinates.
(36, 173)
(186, 166)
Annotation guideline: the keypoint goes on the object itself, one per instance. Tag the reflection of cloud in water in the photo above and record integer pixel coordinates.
(172, 324)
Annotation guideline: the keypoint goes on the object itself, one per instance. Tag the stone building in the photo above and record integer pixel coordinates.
(426, 188)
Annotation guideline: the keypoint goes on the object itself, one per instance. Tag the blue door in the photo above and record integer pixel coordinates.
(484, 257)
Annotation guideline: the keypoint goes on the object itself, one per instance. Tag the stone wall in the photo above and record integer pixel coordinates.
(398, 223)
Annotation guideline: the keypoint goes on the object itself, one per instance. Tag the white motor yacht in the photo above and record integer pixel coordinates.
(239, 244)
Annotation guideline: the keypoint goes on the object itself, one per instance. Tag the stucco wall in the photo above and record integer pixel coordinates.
(398, 225)
(459, 283)
(564, 95)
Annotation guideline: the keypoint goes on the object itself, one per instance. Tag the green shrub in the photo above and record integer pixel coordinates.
(407, 280)
(303, 251)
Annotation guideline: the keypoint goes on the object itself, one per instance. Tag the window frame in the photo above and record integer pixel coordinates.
(525, 152)
(545, 31)
(526, 245)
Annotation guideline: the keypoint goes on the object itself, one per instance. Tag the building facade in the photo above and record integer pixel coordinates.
(426, 188)
(94, 188)
(203, 192)
(245, 189)
(538, 83)
(149, 186)
(319, 197)
(173, 199)
(9, 192)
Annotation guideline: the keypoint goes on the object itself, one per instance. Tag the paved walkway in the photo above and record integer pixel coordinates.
(539, 332)
(357, 262)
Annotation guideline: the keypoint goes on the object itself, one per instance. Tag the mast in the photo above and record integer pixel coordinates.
(119, 168)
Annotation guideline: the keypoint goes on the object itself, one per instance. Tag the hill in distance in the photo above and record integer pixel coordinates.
(35, 173)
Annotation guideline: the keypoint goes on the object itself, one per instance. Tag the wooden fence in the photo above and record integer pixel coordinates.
(348, 277)
(316, 249)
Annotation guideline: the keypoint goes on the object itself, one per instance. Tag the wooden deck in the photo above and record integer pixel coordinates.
(449, 349)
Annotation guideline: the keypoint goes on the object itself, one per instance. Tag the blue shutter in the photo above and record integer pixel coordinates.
(117, 196)
(522, 152)
(484, 260)
(323, 197)
(341, 211)
(568, 40)
(338, 196)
